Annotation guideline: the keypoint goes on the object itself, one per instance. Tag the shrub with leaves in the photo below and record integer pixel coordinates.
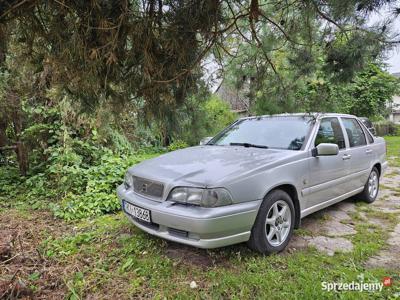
(177, 144)
(97, 194)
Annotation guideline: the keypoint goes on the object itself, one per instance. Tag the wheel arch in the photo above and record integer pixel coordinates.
(379, 167)
(291, 190)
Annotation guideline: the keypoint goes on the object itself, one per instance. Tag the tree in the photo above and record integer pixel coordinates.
(119, 50)
(369, 94)
(146, 56)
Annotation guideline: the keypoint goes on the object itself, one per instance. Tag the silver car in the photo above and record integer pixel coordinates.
(255, 180)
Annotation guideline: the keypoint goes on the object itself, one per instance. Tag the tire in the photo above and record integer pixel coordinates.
(283, 226)
(371, 188)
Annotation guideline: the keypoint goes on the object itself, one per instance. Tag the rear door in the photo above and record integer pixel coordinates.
(360, 151)
(327, 178)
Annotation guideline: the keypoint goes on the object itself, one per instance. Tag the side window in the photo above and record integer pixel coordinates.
(354, 132)
(369, 136)
(330, 132)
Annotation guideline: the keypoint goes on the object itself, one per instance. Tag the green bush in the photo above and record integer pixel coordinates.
(204, 119)
(9, 183)
(218, 115)
(77, 181)
(98, 183)
(177, 144)
(386, 128)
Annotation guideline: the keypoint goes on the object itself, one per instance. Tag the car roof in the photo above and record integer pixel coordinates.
(315, 115)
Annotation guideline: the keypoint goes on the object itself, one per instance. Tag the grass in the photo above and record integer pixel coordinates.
(393, 150)
(120, 253)
(107, 257)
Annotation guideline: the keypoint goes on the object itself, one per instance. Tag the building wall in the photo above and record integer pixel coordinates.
(396, 118)
(395, 108)
(396, 101)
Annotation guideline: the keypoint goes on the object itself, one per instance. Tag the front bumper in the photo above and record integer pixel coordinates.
(192, 225)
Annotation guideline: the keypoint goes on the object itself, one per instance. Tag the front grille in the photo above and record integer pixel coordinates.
(147, 187)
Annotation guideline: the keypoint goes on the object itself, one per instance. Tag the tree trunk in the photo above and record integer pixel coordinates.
(3, 136)
(17, 121)
(22, 157)
(3, 44)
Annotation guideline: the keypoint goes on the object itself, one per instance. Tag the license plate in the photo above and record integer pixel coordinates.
(137, 212)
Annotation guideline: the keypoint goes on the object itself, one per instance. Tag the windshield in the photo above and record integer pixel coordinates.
(282, 132)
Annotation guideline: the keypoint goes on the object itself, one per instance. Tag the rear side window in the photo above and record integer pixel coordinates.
(354, 132)
(367, 123)
(369, 136)
(330, 132)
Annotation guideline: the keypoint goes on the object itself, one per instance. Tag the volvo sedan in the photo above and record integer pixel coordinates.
(254, 181)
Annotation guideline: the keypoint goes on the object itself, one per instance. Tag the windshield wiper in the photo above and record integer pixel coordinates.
(247, 145)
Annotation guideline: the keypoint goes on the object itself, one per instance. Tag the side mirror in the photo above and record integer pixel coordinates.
(205, 140)
(325, 149)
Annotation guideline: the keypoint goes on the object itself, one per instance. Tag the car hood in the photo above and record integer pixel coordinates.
(207, 165)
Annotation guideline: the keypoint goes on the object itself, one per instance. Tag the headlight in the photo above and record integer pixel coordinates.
(202, 197)
(128, 181)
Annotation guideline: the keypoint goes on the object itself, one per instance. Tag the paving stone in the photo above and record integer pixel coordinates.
(394, 239)
(338, 214)
(297, 243)
(379, 222)
(335, 228)
(347, 206)
(389, 257)
(311, 224)
(331, 245)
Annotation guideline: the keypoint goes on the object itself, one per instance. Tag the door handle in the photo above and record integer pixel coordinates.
(368, 151)
(346, 156)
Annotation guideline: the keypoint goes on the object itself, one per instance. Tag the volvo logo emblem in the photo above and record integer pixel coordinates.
(144, 187)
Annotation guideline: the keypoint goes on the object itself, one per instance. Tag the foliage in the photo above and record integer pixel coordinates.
(149, 52)
(369, 93)
(97, 184)
(10, 180)
(205, 119)
(177, 144)
(218, 115)
(297, 62)
(387, 128)
(76, 181)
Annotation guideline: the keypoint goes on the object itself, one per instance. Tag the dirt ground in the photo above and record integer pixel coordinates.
(20, 256)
